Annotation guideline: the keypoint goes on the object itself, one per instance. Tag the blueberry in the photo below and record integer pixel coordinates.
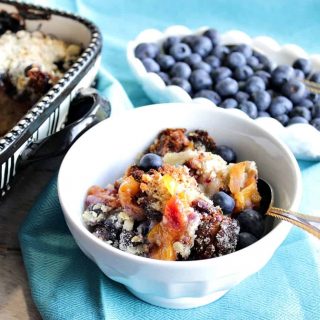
(182, 83)
(229, 103)
(180, 70)
(264, 75)
(164, 76)
(150, 65)
(189, 39)
(314, 97)
(251, 221)
(264, 114)
(146, 50)
(213, 35)
(224, 201)
(235, 59)
(265, 63)
(213, 61)
(283, 119)
(262, 99)
(180, 51)
(316, 123)
(209, 94)
(220, 73)
(298, 74)
(304, 65)
(165, 61)
(193, 59)
(281, 75)
(280, 105)
(169, 42)
(249, 108)
(301, 112)
(245, 239)
(242, 73)
(227, 87)
(306, 103)
(295, 90)
(244, 49)
(150, 161)
(200, 79)
(254, 84)
(226, 153)
(297, 119)
(254, 63)
(242, 96)
(201, 45)
(220, 51)
(315, 111)
(315, 77)
(202, 65)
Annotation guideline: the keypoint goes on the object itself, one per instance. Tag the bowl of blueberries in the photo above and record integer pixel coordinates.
(255, 77)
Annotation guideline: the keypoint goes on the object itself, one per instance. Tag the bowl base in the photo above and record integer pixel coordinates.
(179, 303)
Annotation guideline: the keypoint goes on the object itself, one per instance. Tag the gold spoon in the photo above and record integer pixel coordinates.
(308, 223)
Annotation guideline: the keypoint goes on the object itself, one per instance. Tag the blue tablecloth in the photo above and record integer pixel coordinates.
(66, 285)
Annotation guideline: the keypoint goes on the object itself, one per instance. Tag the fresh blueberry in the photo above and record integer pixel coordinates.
(283, 119)
(193, 59)
(254, 63)
(306, 103)
(146, 50)
(169, 42)
(264, 75)
(180, 51)
(213, 61)
(150, 65)
(281, 74)
(242, 73)
(200, 79)
(254, 84)
(224, 201)
(235, 59)
(298, 74)
(226, 153)
(245, 239)
(201, 45)
(304, 65)
(301, 112)
(249, 108)
(213, 35)
(165, 61)
(316, 111)
(280, 105)
(209, 94)
(189, 39)
(295, 90)
(180, 70)
(297, 119)
(244, 49)
(314, 97)
(150, 161)
(262, 99)
(227, 87)
(265, 63)
(182, 83)
(229, 103)
(263, 114)
(220, 51)
(165, 77)
(251, 221)
(315, 77)
(242, 96)
(316, 123)
(220, 73)
(202, 65)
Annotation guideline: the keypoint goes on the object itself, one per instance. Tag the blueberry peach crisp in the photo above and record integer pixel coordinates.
(185, 199)
(234, 76)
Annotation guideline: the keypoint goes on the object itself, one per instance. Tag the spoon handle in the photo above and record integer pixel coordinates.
(308, 223)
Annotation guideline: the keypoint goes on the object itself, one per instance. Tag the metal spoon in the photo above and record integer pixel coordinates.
(308, 223)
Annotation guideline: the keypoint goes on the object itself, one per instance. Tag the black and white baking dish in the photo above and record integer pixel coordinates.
(48, 115)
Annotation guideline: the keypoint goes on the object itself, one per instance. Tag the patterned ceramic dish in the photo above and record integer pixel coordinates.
(302, 139)
(49, 113)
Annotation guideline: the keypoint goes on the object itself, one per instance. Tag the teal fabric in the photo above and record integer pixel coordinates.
(67, 285)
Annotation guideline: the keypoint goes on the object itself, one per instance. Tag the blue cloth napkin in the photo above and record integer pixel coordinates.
(67, 285)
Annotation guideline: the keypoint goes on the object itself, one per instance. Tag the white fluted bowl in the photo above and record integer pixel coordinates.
(302, 139)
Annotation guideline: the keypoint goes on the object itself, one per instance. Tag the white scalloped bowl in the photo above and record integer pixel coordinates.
(302, 139)
(104, 152)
